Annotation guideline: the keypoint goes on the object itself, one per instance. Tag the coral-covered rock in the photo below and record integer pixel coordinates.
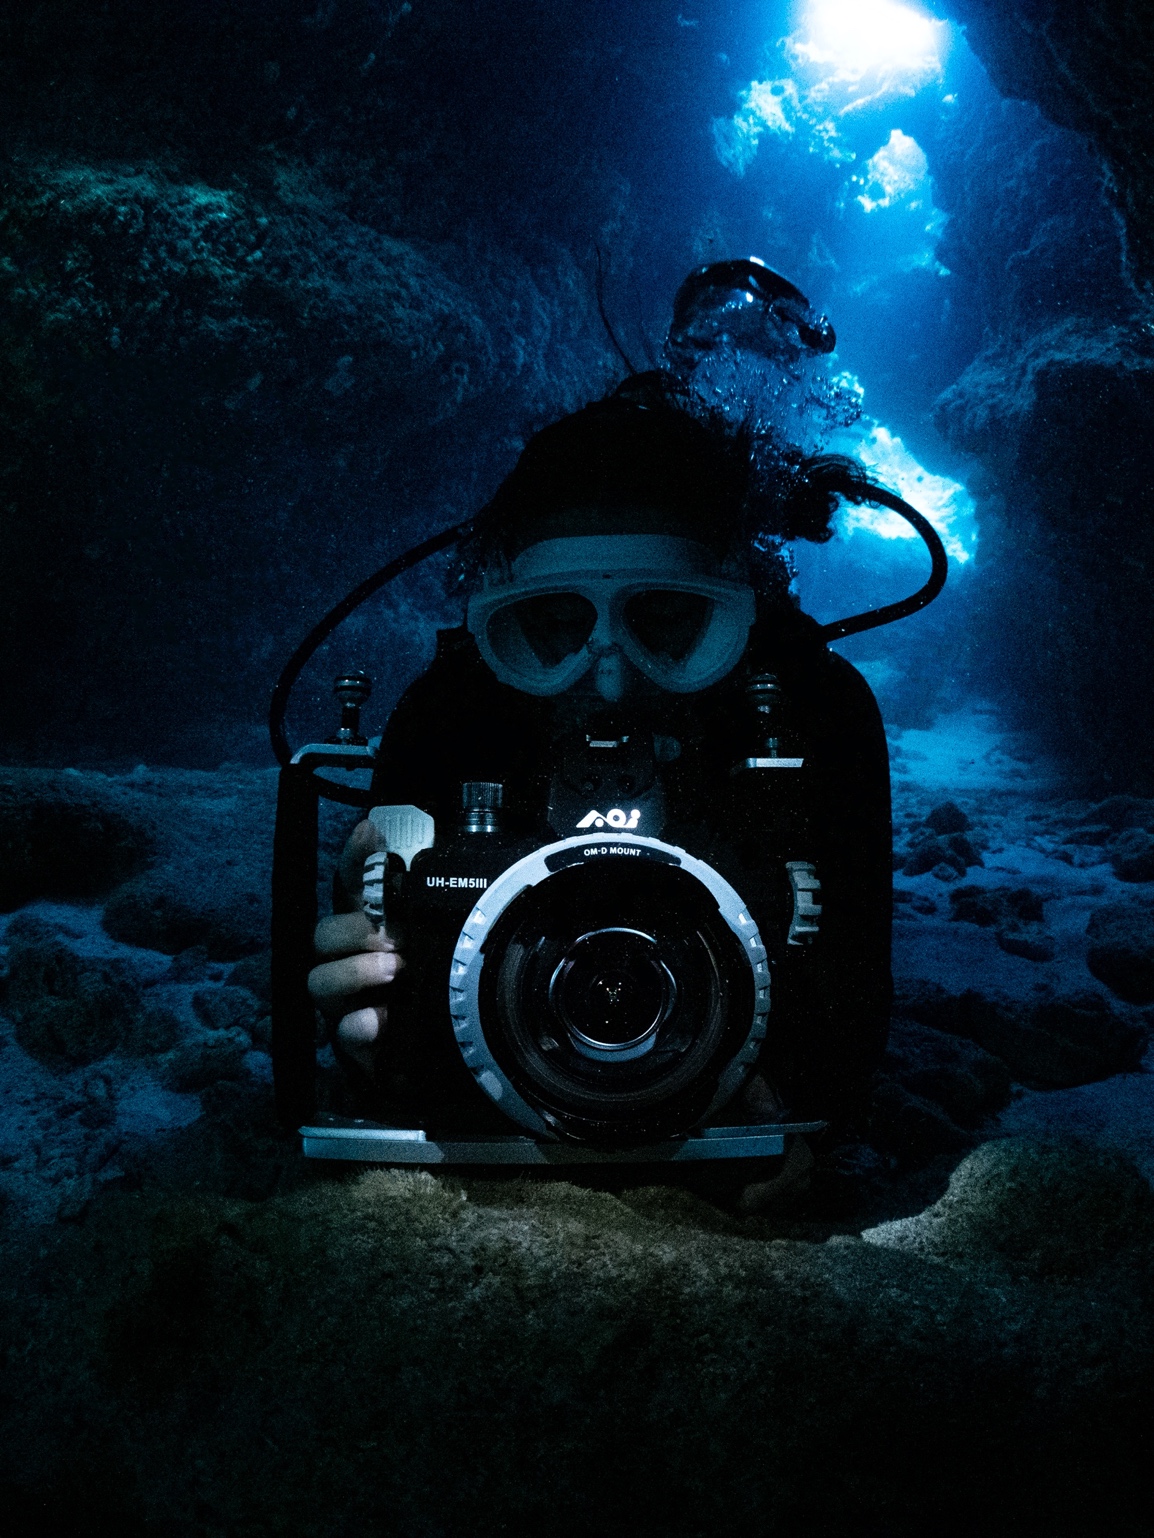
(60, 837)
(1053, 1042)
(254, 266)
(1132, 855)
(140, 264)
(1039, 1209)
(947, 817)
(968, 1082)
(711, 1369)
(204, 1060)
(221, 907)
(68, 1009)
(1121, 951)
(1089, 69)
(1061, 415)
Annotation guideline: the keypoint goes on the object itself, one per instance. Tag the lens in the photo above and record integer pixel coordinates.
(553, 625)
(613, 999)
(667, 622)
(611, 991)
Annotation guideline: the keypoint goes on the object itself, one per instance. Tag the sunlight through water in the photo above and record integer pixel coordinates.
(867, 49)
(945, 502)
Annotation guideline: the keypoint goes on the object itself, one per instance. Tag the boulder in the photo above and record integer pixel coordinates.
(1015, 912)
(1121, 951)
(1041, 1210)
(155, 1029)
(1052, 1042)
(1132, 855)
(966, 1081)
(68, 1009)
(189, 966)
(254, 973)
(1093, 836)
(71, 1009)
(911, 1127)
(1030, 944)
(948, 818)
(226, 1009)
(195, 1064)
(999, 906)
(206, 903)
(1119, 812)
(61, 837)
(928, 854)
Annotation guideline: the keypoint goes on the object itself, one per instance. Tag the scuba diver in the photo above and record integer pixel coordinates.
(624, 600)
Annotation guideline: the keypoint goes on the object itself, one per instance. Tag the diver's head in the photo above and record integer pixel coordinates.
(613, 560)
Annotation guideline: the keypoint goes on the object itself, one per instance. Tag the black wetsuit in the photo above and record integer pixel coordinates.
(831, 1000)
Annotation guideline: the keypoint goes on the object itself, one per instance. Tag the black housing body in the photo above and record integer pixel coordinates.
(687, 765)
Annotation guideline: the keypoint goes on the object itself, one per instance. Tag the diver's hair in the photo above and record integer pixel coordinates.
(807, 496)
(675, 467)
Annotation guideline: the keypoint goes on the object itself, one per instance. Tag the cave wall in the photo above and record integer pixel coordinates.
(1057, 403)
(1090, 68)
(280, 290)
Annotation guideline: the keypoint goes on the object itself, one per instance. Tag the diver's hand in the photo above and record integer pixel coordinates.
(359, 960)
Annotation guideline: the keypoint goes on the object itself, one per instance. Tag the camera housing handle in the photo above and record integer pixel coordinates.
(294, 894)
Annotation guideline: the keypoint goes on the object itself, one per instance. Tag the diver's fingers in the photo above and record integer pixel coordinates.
(334, 983)
(362, 1052)
(346, 934)
(363, 841)
(362, 1025)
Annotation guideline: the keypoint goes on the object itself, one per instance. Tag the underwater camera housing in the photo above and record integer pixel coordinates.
(593, 995)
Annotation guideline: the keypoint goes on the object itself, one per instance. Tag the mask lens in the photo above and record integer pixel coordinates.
(553, 625)
(668, 623)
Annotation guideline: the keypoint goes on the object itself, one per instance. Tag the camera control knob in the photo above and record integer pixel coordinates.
(764, 693)
(352, 690)
(481, 801)
(803, 880)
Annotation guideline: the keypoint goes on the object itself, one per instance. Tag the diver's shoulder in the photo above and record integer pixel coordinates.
(455, 660)
(787, 640)
(458, 676)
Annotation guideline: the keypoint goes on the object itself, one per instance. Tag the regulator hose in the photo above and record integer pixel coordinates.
(321, 632)
(853, 490)
(853, 624)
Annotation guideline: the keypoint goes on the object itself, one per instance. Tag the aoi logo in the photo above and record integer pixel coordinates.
(613, 819)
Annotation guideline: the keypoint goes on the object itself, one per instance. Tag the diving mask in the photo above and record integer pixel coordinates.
(563, 604)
